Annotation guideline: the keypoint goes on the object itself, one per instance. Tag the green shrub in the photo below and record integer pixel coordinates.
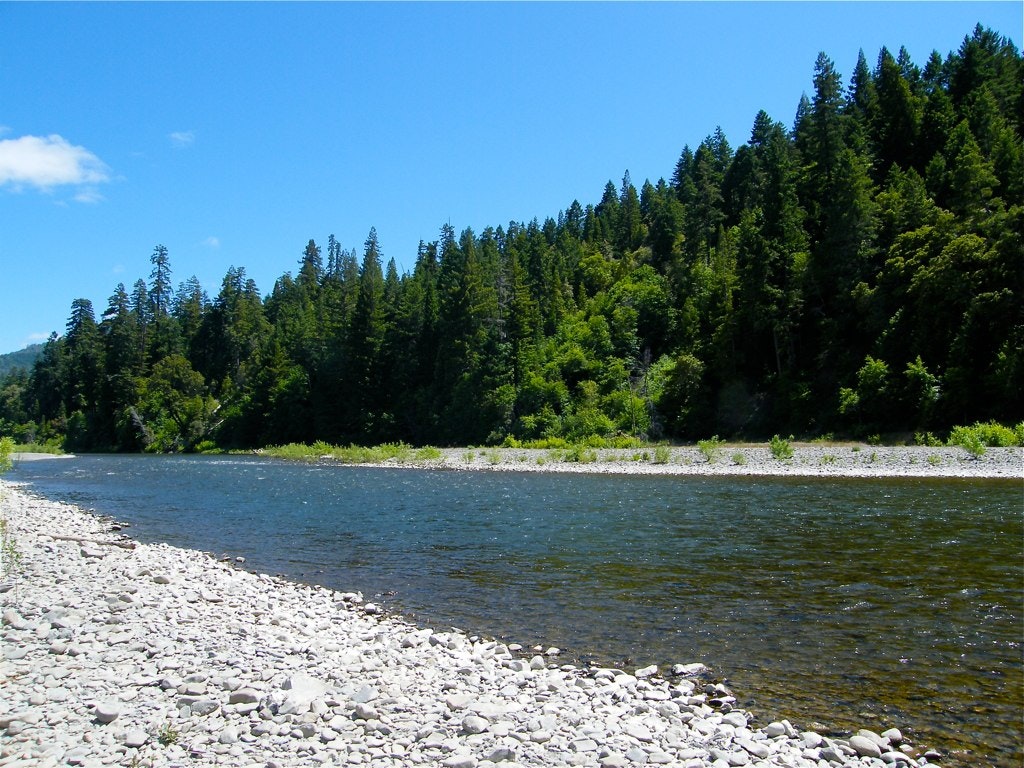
(579, 454)
(781, 448)
(995, 435)
(934, 459)
(969, 439)
(739, 459)
(828, 458)
(428, 453)
(927, 439)
(662, 454)
(710, 448)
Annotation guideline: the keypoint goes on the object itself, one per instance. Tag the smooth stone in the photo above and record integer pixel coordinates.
(773, 730)
(735, 719)
(244, 696)
(811, 739)
(865, 746)
(136, 738)
(107, 711)
(893, 735)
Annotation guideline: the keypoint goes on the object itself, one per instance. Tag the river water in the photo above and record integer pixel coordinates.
(838, 604)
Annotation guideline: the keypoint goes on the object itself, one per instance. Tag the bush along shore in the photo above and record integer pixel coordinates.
(119, 653)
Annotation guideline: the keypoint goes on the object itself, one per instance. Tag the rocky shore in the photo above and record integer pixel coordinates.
(117, 653)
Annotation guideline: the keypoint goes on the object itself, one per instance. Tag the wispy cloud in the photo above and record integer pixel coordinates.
(212, 242)
(182, 139)
(45, 162)
(89, 195)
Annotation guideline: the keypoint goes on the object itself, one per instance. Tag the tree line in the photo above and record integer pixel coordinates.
(859, 272)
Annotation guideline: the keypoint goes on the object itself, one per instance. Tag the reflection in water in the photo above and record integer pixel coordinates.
(822, 601)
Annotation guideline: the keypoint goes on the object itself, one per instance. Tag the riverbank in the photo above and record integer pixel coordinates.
(131, 654)
(807, 460)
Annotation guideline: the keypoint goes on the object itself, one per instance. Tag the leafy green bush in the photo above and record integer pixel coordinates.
(976, 438)
(739, 459)
(968, 439)
(995, 435)
(781, 448)
(710, 448)
(662, 454)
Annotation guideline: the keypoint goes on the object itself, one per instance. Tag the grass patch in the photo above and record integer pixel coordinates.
(52, 446)
(579, 454)
(710, 448)
(662, 454)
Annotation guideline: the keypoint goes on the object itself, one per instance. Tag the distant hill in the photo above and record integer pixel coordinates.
(23, 358)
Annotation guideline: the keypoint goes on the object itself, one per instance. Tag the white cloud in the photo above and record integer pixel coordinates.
(182, 139)
(45, 162)
(212, 242)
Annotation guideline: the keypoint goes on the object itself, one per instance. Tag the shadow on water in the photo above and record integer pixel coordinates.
(850, 603)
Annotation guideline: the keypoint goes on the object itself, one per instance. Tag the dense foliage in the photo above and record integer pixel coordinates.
(859, 273)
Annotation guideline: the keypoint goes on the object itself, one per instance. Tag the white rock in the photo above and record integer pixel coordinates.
(735, 719)
(107, 711)
(135, 738)
(689, 670)
(475, 724)
(865, 746)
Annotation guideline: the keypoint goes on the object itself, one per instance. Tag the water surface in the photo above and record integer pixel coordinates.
(835, 603)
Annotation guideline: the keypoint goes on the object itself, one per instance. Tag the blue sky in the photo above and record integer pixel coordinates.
(233, 133)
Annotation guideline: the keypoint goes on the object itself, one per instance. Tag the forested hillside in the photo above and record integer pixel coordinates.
(859, 272)
(23, 358)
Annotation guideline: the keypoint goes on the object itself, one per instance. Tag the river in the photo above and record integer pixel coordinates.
(838, 604)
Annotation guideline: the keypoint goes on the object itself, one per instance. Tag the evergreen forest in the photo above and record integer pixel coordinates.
(859, 272)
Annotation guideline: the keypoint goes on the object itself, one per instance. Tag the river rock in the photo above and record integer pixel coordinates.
(107, 711)
(865, 746)
(475, 724)
(135, 738)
